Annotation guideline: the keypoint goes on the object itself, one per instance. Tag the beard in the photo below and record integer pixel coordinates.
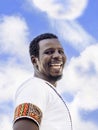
(55, 78)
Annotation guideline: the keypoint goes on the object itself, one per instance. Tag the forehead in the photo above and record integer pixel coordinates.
(49, 43)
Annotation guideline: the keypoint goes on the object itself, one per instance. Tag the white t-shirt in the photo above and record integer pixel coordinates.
(38, 100)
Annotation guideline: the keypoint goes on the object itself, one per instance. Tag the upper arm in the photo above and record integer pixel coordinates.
(25, 124)
(30, 104)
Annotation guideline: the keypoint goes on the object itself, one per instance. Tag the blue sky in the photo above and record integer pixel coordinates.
(76, 24)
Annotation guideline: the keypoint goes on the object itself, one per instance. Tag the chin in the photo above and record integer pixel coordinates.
(55, 78)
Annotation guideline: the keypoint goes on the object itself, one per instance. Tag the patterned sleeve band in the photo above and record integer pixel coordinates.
(28, 110)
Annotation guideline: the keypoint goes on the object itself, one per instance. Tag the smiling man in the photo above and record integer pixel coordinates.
(38, 105)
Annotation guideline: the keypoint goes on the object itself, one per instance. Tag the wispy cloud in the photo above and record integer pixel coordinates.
(73, 33)
(66, 9)
(63, 16)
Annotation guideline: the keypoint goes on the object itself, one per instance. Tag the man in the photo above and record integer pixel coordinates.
(38, 104)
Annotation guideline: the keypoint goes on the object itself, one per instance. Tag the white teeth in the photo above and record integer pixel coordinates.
(56, 67)
(55, 64)
(58, 64)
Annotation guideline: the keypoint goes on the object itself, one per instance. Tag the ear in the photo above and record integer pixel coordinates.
(34, 61)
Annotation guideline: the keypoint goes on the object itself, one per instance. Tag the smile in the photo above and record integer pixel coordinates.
(56, 65)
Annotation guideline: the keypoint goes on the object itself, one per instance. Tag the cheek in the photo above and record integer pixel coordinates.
(43, 63)
(46, 65)
(44, 60)
(64, 59)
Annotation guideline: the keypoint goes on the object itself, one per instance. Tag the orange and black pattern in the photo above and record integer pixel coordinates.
(28, 110)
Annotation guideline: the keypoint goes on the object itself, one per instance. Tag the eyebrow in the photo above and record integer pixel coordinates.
(54, 48)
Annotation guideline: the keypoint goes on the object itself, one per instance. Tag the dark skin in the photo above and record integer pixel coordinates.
(25, 124)
(48, 66)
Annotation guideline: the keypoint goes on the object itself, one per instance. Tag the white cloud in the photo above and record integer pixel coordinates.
(80, 78)
(13, 49)
(5, 123)
(13, 39)
(11, 75)
(13, 35)
(73, 34)
(78, 123)
(57, 9)
(62, 15)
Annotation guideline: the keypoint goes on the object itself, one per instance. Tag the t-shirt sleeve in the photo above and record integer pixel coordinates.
(30, 102)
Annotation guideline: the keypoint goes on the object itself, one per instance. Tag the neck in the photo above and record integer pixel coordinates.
(41, 76)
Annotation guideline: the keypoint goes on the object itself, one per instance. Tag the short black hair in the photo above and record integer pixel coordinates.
(34, 45)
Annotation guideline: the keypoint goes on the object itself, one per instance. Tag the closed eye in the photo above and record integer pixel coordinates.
(49, 52)
(61, 52)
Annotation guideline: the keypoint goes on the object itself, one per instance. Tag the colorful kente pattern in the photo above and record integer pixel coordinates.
(28, 110)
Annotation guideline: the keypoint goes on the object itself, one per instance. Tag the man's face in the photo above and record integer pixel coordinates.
(51, 58)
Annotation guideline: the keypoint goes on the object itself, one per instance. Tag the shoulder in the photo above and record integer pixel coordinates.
(31, 84)
(31, 90)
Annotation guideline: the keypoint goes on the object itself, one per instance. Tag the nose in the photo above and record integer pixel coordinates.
(56, 54)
